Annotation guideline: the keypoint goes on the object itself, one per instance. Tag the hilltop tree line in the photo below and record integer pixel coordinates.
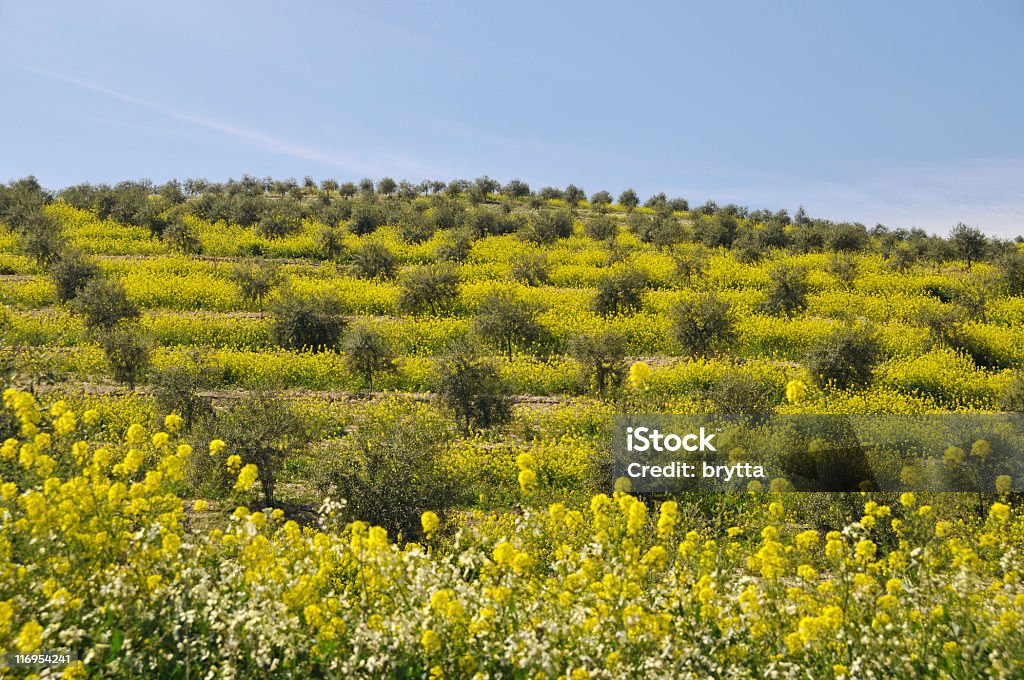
(468, 210)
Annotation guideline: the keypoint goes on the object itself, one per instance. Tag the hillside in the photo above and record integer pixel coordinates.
(460, 349)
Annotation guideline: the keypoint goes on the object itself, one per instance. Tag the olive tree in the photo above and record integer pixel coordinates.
(601, 357)
(127, 348)
(629, 200)
(103, 302)
(620, 292)
(313, 321)
(508, 321)
(472, 388)
(255, 280)
(787, 290)
(428, 288)
(368, 353)
(845, 358)
(72, 273)
(390, 469)
(262, 429)
(703, 325)
(969, 242)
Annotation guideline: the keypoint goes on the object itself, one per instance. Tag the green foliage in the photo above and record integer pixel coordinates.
(264, 430)
(844, 268)
(255, 280)
(715, 230)
(373, 261)
(621, 292)
(1011, 269)
(456, 245)
(601, 200)
(531, 268)
(71, 274)
(182, 237)
(704, 325)
(969, 242)
(415, 225)
(127, 349)
(846, 358)
(629, 200)
(103, 302)
(21, 199)
(471, 387)
(366, 218)
(787, 290)
(313, 321)
(41, 238)
(847, 238)
(488, 221)
(1013, 400)
(507, 321)
(601, 228)
(389, 468)
(428, 288)
(330, 242)
(178, 388)
(660, 229)
(736, 393)
(447, 215)
(547, 226)
(516, 188)
(386, 186)
(367, 353)
(278, 221)
(601, 357)
(573, 195)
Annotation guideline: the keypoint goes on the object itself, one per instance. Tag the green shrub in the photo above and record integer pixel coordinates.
(330, 243)
(368, 353)
(1013, 400)
(737, 393)
(601, 357)
(457, 245)
(182, 237)
(846, 358)
(704, 326)
(601, 228)
(127, 349)
(72, 273)
(621, 292)
(307, 321)
(507, 321)
(42, 238)
(178, 388)
(787, 291)
(104, 302)
(471, 387)
(373, 261)
(366, 218)
(428, 288)
(547, 226)
(389, 469)
(255, 280)
(262, 429)
(531, 269)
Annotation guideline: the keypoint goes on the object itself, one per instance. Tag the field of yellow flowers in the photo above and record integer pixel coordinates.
(116, 545)
(99, 552)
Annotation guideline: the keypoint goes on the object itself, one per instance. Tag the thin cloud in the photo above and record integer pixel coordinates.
(253, 138)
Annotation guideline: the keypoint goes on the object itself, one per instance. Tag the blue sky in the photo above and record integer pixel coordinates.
(906, 113)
